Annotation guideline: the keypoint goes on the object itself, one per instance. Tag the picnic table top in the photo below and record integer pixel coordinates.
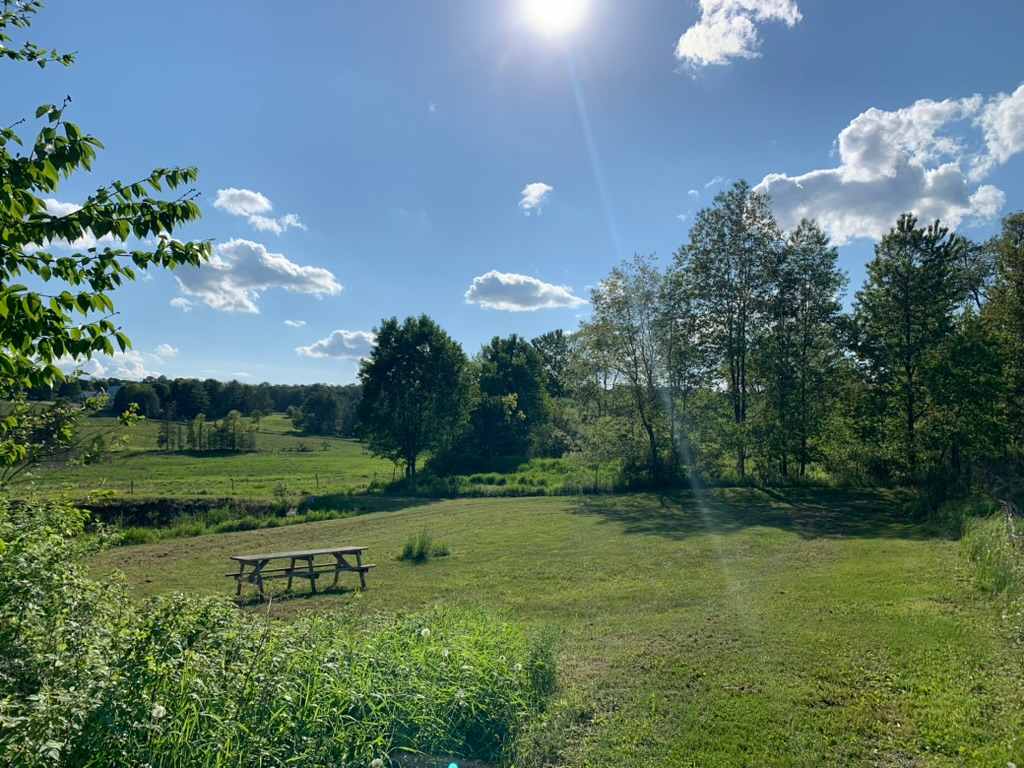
(345, 550)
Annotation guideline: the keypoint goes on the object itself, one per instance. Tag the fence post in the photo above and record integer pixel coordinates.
(131, 487)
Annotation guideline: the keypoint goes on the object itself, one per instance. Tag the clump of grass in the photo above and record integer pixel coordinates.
(421, 547)
(995, 548)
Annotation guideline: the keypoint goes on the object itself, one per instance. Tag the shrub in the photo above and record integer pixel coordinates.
(421, 547)
(90, 679)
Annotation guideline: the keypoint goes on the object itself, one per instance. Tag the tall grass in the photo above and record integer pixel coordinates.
(995, 546)
(420, 547)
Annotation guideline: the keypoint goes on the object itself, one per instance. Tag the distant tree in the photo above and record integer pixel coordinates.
(554, 348)
(142, 395)
(191, 399)
(732, 248)
(686, 354)
(903, 314)
(800, 352)
(415, 391)
(626, 322)
(1005, 312)
(321, 413)
(513, 400)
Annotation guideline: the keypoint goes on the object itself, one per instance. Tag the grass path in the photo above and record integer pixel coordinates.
(737, 629)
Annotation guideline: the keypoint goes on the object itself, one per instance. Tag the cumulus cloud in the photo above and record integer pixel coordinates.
(533, 196)
(345, 345)
(180, 302)
(129, 365)
(254, 206)
(295, 323)
(1002, 122)
(519, 293)
(727, 29)
(240, 271)
(165, 351)
(922, 158)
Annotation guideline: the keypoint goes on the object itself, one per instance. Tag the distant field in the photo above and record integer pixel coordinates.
(285, 460)
(739, 628)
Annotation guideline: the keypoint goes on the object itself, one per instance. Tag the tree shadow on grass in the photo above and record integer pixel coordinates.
(810, 513)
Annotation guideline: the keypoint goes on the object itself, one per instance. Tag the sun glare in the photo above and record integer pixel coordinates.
(554, 17)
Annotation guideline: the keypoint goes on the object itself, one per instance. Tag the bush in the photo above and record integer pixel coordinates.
(88, 678)
(421, 547)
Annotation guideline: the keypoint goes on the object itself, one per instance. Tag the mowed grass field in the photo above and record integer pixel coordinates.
(734, 628)
(284, 462)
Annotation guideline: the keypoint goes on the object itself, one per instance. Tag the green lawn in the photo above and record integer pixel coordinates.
(297, 463)
(741, 628)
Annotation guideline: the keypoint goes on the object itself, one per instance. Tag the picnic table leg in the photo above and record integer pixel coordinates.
(292, 567)
(312, 576)
(362, 573)
(338, 560)
(238, 579)
(257, 578)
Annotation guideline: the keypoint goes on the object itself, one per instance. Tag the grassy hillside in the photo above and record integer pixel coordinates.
(737, 629)
(285, 460)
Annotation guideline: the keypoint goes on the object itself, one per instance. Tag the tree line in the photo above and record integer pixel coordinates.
(320, 409)
(737, 361)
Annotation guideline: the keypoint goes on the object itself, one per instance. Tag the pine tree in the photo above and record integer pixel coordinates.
(903, 314)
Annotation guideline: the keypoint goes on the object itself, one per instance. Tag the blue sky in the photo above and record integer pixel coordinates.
(409, 141)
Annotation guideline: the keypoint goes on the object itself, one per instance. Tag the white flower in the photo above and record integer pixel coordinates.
(158, 712)
(460, 696)
(425, 632)
(376, 763)
(518, 667)
(445, 653)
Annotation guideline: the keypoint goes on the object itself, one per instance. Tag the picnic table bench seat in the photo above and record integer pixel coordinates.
(301, 565)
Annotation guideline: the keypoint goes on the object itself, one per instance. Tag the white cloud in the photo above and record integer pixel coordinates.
(714, 181)
(165, 351)
(242, 375)
(295, 323)
(921, 158)
(180, 302)
(253, 205)
(693, 193)
(346, 345)
(727, 29)
(682, 216)
(1002, 121)
(240, 271)
(121, 365)
(519, 293)
(987, 202)
(534, 195)
(278, 225)
(242, 202)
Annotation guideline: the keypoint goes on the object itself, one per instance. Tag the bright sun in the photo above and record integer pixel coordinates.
(554, 17)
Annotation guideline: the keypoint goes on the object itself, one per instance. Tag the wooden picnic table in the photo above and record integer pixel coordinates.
(302, 565)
